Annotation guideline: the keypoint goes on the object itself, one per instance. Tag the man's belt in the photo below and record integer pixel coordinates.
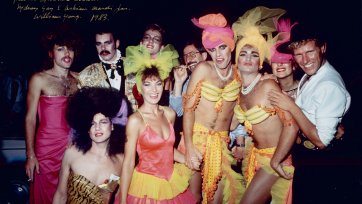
(303, 140)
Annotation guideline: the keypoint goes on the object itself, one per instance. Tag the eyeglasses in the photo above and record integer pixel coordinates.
(155, 39)
(191, 54)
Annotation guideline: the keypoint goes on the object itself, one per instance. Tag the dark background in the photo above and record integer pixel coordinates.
(340, 21)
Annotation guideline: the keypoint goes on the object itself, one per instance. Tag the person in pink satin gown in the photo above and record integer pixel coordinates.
(47, 132)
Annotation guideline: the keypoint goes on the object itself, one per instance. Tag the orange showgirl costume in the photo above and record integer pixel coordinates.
(213, 145)
(156, 179)
(260, 158)
(250, 29)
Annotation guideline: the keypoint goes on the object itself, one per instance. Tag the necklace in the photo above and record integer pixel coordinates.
(294, 86)
(247, 90)
(224, 78)
(65, 81)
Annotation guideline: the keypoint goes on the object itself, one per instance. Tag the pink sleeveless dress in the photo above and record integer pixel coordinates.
(51, 141)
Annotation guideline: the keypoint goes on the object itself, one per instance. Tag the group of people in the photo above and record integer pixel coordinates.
(107, 134)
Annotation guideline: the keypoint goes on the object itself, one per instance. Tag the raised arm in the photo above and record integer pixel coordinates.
(33, 96)
(180, 75)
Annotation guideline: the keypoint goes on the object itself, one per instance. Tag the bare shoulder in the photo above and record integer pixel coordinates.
(202, 67)
(38, 76)
(120, 158)
(72, 149)
(37, 79)
(71, 153)
(168, 110)
(269, 84)
(134, 120)
(169, 113)
(133, 127)
(74, 74)
(201, 70)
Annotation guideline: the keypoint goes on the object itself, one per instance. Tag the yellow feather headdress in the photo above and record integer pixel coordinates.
(138, 59)
(250, 28)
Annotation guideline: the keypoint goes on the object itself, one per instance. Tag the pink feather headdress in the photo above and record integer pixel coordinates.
(284, 28)
(215, 31)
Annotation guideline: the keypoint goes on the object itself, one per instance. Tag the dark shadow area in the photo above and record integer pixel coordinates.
(14, 185)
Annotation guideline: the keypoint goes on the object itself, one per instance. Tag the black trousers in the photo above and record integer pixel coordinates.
(324, 176)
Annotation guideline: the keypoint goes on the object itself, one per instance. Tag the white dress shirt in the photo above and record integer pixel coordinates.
(324, 100)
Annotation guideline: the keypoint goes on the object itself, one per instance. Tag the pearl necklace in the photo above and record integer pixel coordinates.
(224, 78)
(248, 89)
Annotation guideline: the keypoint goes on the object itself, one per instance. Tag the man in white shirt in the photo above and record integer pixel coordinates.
(322, 100)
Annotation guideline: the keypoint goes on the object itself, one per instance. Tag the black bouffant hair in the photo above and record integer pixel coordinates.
(82, 107)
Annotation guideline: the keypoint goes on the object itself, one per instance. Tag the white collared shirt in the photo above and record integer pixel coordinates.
(116, 82)
(324, 100)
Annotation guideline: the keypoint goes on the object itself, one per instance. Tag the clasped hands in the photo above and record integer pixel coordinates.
(193, 158)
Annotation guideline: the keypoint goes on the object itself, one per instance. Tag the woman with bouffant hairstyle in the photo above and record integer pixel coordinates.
(92, 164)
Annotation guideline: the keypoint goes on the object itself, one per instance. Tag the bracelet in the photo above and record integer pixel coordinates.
(239, 145)
(30, 157)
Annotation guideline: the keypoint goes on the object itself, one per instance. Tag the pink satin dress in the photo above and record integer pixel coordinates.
(51, 141)
(156, 179)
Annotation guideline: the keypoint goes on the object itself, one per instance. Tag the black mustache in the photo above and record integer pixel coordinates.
(105, 52)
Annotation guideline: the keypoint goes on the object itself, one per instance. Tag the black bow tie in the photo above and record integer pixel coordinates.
(113, 67)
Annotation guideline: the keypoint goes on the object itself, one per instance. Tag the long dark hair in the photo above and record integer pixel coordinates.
(62, 35)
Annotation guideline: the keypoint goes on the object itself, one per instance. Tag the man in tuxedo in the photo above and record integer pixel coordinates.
(109, 71)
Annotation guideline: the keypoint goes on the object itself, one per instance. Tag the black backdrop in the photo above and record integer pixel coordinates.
(21, 27)
(23, 21)
(20, 30)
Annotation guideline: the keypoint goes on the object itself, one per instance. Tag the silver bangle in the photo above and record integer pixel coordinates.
(30, 157)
